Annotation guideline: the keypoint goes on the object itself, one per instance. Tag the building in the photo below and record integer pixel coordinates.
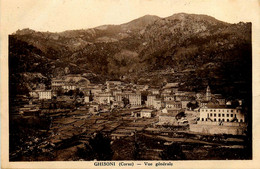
(147, 113)
(86, 99)
(220, 114)
(94, 108)
(144, 113)
(184, 103)
(168, 117)
(173, 105)
(208, 94)
(68, 86)
(153, 102)
(218, 119)
(154, 91)
(220, 99)
(169, 97)
(57, 84)
(135, 99)
(150, 100)
(116, 91)
(157, 104)
(104, 98)
(47, 94)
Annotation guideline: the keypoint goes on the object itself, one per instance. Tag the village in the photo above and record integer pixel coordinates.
(79, 109)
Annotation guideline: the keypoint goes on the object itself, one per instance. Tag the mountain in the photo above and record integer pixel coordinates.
(195, 50)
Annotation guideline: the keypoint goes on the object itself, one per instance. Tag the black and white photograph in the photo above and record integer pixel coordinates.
(138, 81)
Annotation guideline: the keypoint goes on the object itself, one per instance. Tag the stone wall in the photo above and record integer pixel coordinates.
(167, 120)
(217, 129)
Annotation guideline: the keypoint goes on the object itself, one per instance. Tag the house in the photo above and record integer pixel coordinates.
(116, 91)
(147, 113)
(34, 94)
(135, 99)
(173, 105)
(118, 104)
(184, 103)
(171, 87)
(96, 90)
(153, 102)
(104, 98)
(220, 99)
(141, 87)
(118, 97)
(87, 99)
(144, 113)
(169, 97)
(221, 113)
(57, 84)
(168, 117)
(220, 119)
(154, 91)
(69, 86)
(150, 100)
(94, 108)
(113, 84)
(157, 104)
(46, 94)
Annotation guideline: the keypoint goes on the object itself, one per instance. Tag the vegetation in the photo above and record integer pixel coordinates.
(173, 152)
(203, 50)
(98, 149)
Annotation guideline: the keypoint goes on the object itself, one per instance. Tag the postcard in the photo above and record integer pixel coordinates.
(130, 84)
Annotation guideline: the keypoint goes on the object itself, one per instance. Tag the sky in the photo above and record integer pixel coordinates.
(61, 15)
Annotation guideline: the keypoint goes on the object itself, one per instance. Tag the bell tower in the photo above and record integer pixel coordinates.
(208, 94)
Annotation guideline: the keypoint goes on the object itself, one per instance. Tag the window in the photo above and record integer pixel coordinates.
(231, 110)
(241, 120)
(227, 120)
(227, 115)
(210, 110)
(227, 110)
(214, 110)
(219, 115)
(223, 115)
(215, 115)
(218, 110)
(218, 119)
(206, 110)
(210, 114)
(223, 120)
(202, 119)
(214, 119)
(231, 115)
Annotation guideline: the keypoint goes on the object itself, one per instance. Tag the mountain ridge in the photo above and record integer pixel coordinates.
(148, 44)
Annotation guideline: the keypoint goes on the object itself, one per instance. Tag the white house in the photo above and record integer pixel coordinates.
(217, 113)
(47, 94)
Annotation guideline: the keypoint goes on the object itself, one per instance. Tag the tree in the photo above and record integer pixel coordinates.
(173, 152)
(192, 105)
(144, 95)
(60, 92)
(81, 94)
(99, 148)
(125, 101)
